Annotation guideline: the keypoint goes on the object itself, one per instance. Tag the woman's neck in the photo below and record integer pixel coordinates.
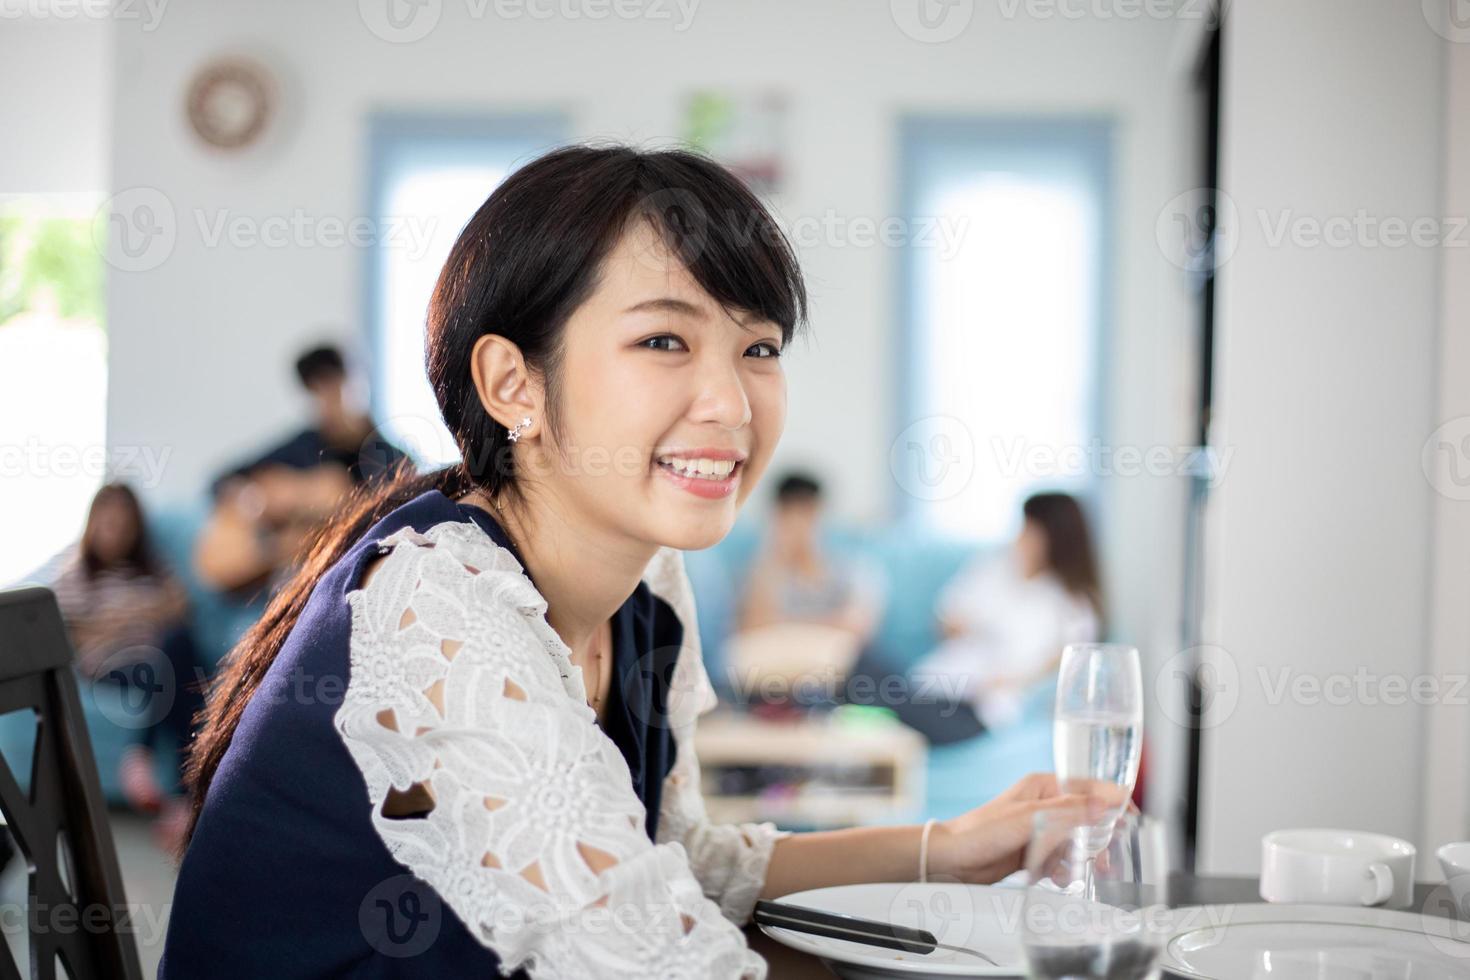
(584, 572)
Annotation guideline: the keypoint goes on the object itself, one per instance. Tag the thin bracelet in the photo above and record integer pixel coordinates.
(924, 851)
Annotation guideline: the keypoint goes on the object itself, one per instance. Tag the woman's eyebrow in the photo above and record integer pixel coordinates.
(672, 304)
(667, 304)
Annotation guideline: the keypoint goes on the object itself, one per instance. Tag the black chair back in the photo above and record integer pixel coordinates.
(77, 917)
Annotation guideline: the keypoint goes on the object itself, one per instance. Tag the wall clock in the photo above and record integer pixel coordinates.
(230, 102)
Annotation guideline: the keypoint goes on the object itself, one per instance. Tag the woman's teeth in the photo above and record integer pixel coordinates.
(705, 469)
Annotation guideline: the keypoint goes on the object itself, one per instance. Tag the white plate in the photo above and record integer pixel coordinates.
(982, 917)
(1315, 942)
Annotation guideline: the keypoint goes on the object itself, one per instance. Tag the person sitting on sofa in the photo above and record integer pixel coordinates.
(793, 580)
(265, 509)
(127, 617)
(1004, 620)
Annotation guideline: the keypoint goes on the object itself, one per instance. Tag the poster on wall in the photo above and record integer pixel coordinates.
(745, 132)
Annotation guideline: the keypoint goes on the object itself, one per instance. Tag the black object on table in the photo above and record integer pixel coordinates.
(856, 929)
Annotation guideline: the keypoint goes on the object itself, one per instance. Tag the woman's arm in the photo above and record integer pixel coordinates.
(488, 777)
(978, 847)
(740, 863)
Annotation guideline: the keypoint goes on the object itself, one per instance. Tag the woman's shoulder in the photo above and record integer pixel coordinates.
(450, 555)
(431, 546)
(427, 520)
(442, 608)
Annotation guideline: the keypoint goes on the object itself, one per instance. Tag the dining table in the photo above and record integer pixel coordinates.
(1185, 889)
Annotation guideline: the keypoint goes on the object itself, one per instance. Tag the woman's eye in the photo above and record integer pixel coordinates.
(662, 342)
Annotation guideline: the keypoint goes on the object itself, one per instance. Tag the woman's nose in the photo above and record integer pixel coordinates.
(721, 397)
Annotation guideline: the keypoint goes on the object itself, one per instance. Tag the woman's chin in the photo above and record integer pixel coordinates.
(696, 531)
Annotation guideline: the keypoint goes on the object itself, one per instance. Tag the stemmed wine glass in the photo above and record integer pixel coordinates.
(1097, 734)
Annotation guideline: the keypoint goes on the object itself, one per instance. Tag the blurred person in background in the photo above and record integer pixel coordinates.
(805, 614)
(793, 580)
(1004, 620)
(265, 509)
(127, 617)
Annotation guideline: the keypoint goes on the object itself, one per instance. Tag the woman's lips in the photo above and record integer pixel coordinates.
(706, 487)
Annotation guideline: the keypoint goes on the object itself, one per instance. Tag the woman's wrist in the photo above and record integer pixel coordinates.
(943, 855)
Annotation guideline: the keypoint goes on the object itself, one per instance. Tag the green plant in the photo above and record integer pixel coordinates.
(48, 260)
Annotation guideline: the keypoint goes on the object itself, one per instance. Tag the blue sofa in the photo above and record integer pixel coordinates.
(961, 775)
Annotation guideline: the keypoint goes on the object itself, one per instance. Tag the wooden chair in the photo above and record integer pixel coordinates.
(77, 917)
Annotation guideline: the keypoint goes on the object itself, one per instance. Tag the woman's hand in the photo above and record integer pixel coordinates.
(989, 842)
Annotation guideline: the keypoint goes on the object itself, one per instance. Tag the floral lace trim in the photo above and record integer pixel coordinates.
(460, 689)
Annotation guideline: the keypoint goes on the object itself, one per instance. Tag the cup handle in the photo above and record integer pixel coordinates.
(1379, 879)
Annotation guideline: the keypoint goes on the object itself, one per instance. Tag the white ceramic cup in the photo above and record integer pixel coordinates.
(1337, 867)
(1454, 860)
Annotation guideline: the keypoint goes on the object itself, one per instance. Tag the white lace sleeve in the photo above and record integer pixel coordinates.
(730, 860)
(525, 787)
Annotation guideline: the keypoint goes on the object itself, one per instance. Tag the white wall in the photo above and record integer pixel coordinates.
(1326, 359)
(55, 74)
(233, 317)
(1447, 757)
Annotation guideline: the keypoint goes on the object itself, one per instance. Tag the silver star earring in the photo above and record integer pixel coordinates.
(515, 433)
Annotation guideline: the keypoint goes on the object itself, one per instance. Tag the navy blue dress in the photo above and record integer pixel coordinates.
(286, 876)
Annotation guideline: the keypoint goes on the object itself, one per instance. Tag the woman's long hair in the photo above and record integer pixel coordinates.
(1069, 551)
(522, 265)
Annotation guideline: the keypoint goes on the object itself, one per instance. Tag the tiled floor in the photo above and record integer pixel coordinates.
(148, 877)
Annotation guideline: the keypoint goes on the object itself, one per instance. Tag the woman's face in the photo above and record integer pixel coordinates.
(658, 378)
(1031, 549)
(113, 530)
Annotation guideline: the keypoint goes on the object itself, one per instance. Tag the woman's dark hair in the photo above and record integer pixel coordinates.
(528, 258)
(140, 559)
(1069, 550)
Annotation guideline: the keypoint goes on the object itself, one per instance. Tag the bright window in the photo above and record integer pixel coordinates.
(430, 175)
(1003, 297)
(53, 376)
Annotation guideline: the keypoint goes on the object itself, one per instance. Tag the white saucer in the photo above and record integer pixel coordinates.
(982, 917)
(1315, 942)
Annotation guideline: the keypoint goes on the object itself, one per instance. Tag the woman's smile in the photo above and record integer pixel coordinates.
(709, 473)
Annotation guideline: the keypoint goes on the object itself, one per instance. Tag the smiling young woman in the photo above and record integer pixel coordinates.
(461, 740)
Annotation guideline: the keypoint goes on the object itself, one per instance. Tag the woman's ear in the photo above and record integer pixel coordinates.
(504, 384)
